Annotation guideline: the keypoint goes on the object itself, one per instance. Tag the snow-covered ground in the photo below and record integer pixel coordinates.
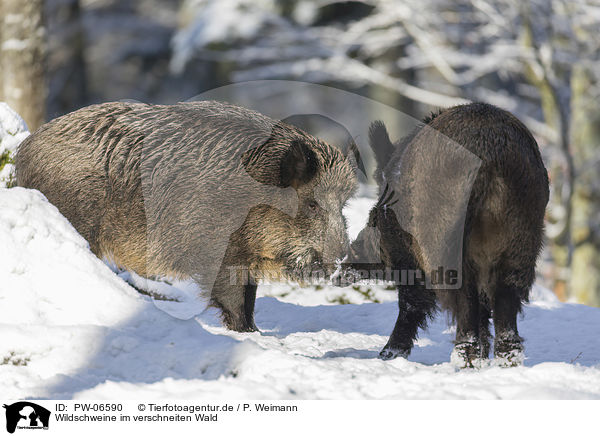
(72, 328)
(13, 130)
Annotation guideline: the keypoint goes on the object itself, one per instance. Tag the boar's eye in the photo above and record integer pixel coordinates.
(313, 207)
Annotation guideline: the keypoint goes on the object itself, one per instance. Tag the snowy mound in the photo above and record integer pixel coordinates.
(13, 130)
(71, 328)
(64, 311)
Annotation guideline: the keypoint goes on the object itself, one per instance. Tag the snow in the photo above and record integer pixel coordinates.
(15, 44)
(13, 130)
(72, 328)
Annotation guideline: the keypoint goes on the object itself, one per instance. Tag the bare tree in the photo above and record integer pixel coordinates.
(22, 83)
(65, 62)
(552, 46)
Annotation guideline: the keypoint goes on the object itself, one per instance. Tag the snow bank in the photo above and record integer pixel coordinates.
(64, 312)
(13, 130)
(71, 328)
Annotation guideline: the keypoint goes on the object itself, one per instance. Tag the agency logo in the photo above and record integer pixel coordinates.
(26, 415)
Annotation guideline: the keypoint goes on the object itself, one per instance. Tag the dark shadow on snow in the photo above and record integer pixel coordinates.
(152, 345)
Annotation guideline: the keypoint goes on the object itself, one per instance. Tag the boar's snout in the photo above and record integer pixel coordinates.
(362, 256)
(336, 243)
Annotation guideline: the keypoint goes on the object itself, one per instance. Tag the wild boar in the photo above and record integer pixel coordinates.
(466, 191)
(202, 190)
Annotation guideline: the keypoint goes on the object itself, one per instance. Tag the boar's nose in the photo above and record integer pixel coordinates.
(334, 254)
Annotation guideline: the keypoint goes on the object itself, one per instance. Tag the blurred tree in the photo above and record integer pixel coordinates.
(558, 48)
(539, 59)
(329, 41)
(22, 83)
(585, 127)
(66, 69)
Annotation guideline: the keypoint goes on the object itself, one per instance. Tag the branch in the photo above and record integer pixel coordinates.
(344, 68)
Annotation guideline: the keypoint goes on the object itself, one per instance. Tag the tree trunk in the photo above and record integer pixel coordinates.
(22, 59)
(585, 273)
(65, 62)
(561, 172)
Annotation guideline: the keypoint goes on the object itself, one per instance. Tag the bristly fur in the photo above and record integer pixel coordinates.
(192, 190)
(502, 234)
(429, 118)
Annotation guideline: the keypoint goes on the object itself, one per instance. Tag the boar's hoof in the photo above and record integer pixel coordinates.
(248, 328)
(237, 325)
(252, 328)
(389, 353)
(466, 355)
(508, 353)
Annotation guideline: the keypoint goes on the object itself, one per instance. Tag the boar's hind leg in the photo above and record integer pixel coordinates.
(470, 318)
(508, 345)
(415, 304)
(484, 325)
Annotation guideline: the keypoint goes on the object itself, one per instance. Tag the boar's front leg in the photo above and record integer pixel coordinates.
(415, 304)
(235, 296)
(249, 300)
(237, 310)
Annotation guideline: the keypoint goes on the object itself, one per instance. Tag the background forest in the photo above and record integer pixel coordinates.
(539, 59)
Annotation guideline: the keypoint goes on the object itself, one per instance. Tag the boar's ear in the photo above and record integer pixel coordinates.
(351, 149)
(298, 165)
(380, 143)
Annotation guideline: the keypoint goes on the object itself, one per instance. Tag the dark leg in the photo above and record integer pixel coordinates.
(484, 326)
(249, 300)
(234, 294)
(415, 305)
(466, 311)
(236, 314)
(508, 345)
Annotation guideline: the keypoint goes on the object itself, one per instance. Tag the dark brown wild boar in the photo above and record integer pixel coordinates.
(202, 190)
(465, 192)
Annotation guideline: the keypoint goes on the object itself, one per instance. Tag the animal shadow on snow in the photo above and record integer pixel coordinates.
(553, 332)
(152, 345)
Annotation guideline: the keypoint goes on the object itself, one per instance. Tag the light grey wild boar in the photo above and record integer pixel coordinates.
(202, 190)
